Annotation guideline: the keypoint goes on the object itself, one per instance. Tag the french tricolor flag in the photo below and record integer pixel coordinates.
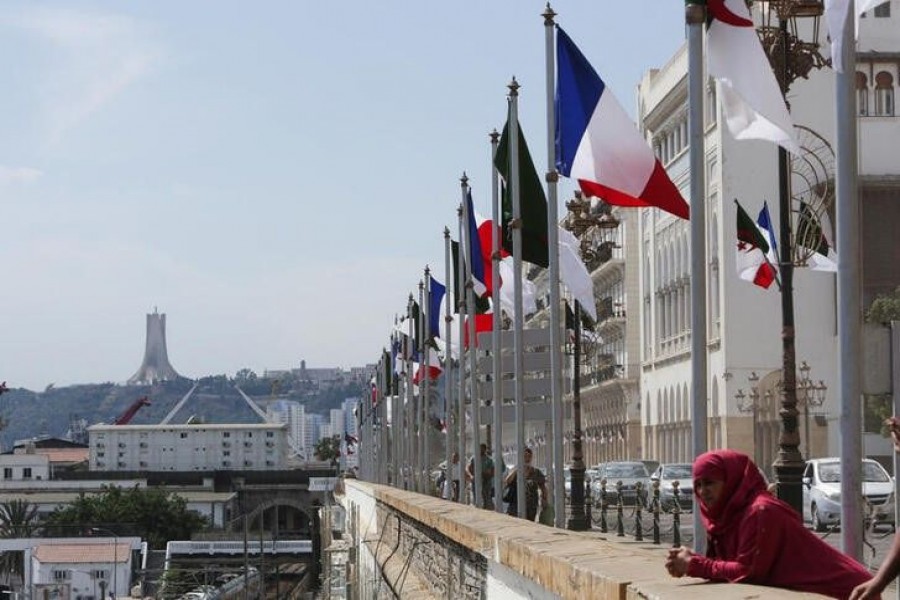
(598, 144)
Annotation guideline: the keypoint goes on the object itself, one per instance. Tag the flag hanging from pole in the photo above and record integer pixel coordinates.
(533, 202)
(813, 233)
(475, 258)
(755, 256)
(750, 95)
(598, 145)
(837, 16)
(437, 294)
(574, 273)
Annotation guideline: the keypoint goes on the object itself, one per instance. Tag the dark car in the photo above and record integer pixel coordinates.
(629, 473)
(667, 474)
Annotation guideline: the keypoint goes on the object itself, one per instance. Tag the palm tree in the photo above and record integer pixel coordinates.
(18, 519)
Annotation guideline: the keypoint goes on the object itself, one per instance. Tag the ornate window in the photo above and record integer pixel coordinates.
(862, 94)
(884, 94)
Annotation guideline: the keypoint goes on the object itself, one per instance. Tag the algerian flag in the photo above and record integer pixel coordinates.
(813, 233)
(533, 202)
(755, 256)
(751, 98)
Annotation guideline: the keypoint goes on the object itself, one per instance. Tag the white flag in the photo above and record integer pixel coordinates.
(751, 98)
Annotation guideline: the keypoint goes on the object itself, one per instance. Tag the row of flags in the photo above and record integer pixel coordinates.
(598, 146)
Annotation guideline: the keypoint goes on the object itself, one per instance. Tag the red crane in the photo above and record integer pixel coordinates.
(129, 413)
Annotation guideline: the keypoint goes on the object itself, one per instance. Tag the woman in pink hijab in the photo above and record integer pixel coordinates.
(755, 538)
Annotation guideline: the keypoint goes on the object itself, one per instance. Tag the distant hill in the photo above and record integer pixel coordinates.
(29, 414)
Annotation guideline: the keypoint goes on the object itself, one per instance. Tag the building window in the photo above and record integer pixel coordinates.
(862, 94)
(226, 434)
(884, 94)
(61, 575)
(883, 10)
(272, 433)
(7, 473)
(100, 574)
(26, 473)
(184, 435)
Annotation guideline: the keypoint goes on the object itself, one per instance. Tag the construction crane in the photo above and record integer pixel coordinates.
(129, 413)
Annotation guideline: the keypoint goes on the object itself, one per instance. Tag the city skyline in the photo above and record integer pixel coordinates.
(274, 181)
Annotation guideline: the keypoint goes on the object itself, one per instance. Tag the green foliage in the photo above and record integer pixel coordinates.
(885, 308)
(17, 520)
(154, 514)
(329, 449)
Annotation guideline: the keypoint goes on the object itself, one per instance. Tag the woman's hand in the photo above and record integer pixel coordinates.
(893, 425)
(865, 591)
(678, 560)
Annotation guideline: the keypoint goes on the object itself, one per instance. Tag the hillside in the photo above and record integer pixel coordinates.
(27, 413)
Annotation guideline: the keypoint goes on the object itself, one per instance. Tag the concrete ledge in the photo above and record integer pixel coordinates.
(570, 565)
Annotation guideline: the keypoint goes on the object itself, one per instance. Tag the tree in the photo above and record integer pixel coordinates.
(154, 514)
(18, 519)
(885, 308)
(329, 448)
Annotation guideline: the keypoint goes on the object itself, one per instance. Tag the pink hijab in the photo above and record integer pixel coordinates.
(743, 483)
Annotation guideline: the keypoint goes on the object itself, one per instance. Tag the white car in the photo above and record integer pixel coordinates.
(822, 492)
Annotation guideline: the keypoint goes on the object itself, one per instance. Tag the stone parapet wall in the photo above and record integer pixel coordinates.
(415, 546)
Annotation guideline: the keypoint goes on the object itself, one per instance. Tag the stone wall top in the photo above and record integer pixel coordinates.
(572, 565)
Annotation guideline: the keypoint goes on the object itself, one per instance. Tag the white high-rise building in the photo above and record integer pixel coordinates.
(291, 413)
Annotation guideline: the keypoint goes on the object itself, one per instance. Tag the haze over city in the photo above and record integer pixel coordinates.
(273, 180)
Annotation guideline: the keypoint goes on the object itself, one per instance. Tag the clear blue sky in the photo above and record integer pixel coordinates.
(273, 176)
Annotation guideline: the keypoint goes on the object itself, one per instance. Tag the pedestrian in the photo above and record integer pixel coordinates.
(487, 477)
(535, 489)
(753, 537)
(890, 567)
(452, 477)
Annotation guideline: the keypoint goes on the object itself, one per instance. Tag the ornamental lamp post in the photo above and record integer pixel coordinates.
(809, 394)
(790, 58)
(586, 222)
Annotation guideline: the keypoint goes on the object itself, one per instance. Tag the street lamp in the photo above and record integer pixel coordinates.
(587, 224)
(749, 403)
(790, 58)
(809, 394)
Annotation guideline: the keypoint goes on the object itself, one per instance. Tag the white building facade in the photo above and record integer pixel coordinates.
(743, 336)
(204, 447)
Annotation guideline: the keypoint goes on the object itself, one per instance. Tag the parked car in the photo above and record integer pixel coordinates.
(668, 473)
(822, 492)
(630, 473)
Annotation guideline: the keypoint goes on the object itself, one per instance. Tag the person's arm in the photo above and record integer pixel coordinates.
(887, 572)
(510, 477)
(760, 537)
(542, 486)
(890, 567)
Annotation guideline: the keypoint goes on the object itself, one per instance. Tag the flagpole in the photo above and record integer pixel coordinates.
(395, 410)
(559, 498)
(496, 383)
(384, 460)
(473, 380)
(848, 299)
(695, 17)
(519, 317)
(410, 400)
(426, 390)
(419, 446)
(461, 391)
(448, 367)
